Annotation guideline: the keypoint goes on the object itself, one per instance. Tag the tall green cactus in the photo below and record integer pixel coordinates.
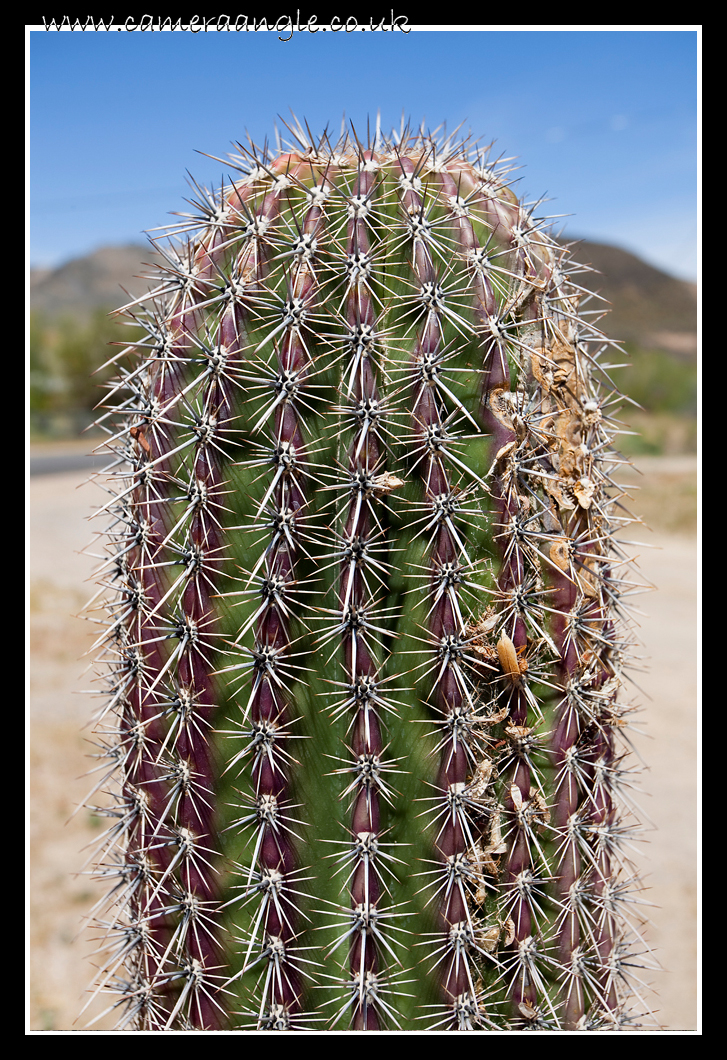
(362, 609)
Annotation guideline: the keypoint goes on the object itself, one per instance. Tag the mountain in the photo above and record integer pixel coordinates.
(647, 306)
(95, 281)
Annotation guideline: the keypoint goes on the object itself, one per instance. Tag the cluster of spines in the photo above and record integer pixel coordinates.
(530, 887)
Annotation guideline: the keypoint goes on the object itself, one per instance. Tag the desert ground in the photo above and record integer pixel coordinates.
(667, 739)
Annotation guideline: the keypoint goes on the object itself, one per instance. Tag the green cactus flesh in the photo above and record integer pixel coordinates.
(362, 604)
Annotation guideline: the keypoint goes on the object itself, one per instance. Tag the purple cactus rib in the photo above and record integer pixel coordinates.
(270, 709)
(361, 665)
(452, 694)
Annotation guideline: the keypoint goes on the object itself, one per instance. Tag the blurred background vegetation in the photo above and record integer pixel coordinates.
(64, 354)
(653, 315)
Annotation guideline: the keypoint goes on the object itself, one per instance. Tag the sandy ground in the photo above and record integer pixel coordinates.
(59, 968)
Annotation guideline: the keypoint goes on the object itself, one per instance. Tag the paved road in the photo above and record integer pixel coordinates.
(56, 463)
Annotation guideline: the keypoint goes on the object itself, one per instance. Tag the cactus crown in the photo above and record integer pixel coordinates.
(362, 611)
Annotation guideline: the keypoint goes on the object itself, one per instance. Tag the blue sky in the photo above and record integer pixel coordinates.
(604, 122)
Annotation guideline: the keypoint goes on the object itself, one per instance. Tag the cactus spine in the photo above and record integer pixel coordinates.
(362, 608)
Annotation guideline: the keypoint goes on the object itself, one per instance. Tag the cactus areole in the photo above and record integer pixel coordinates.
(361, 606)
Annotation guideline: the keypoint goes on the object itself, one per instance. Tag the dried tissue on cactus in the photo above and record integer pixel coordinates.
(363, 613)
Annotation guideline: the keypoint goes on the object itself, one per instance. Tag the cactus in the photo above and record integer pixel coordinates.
(362, 607)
